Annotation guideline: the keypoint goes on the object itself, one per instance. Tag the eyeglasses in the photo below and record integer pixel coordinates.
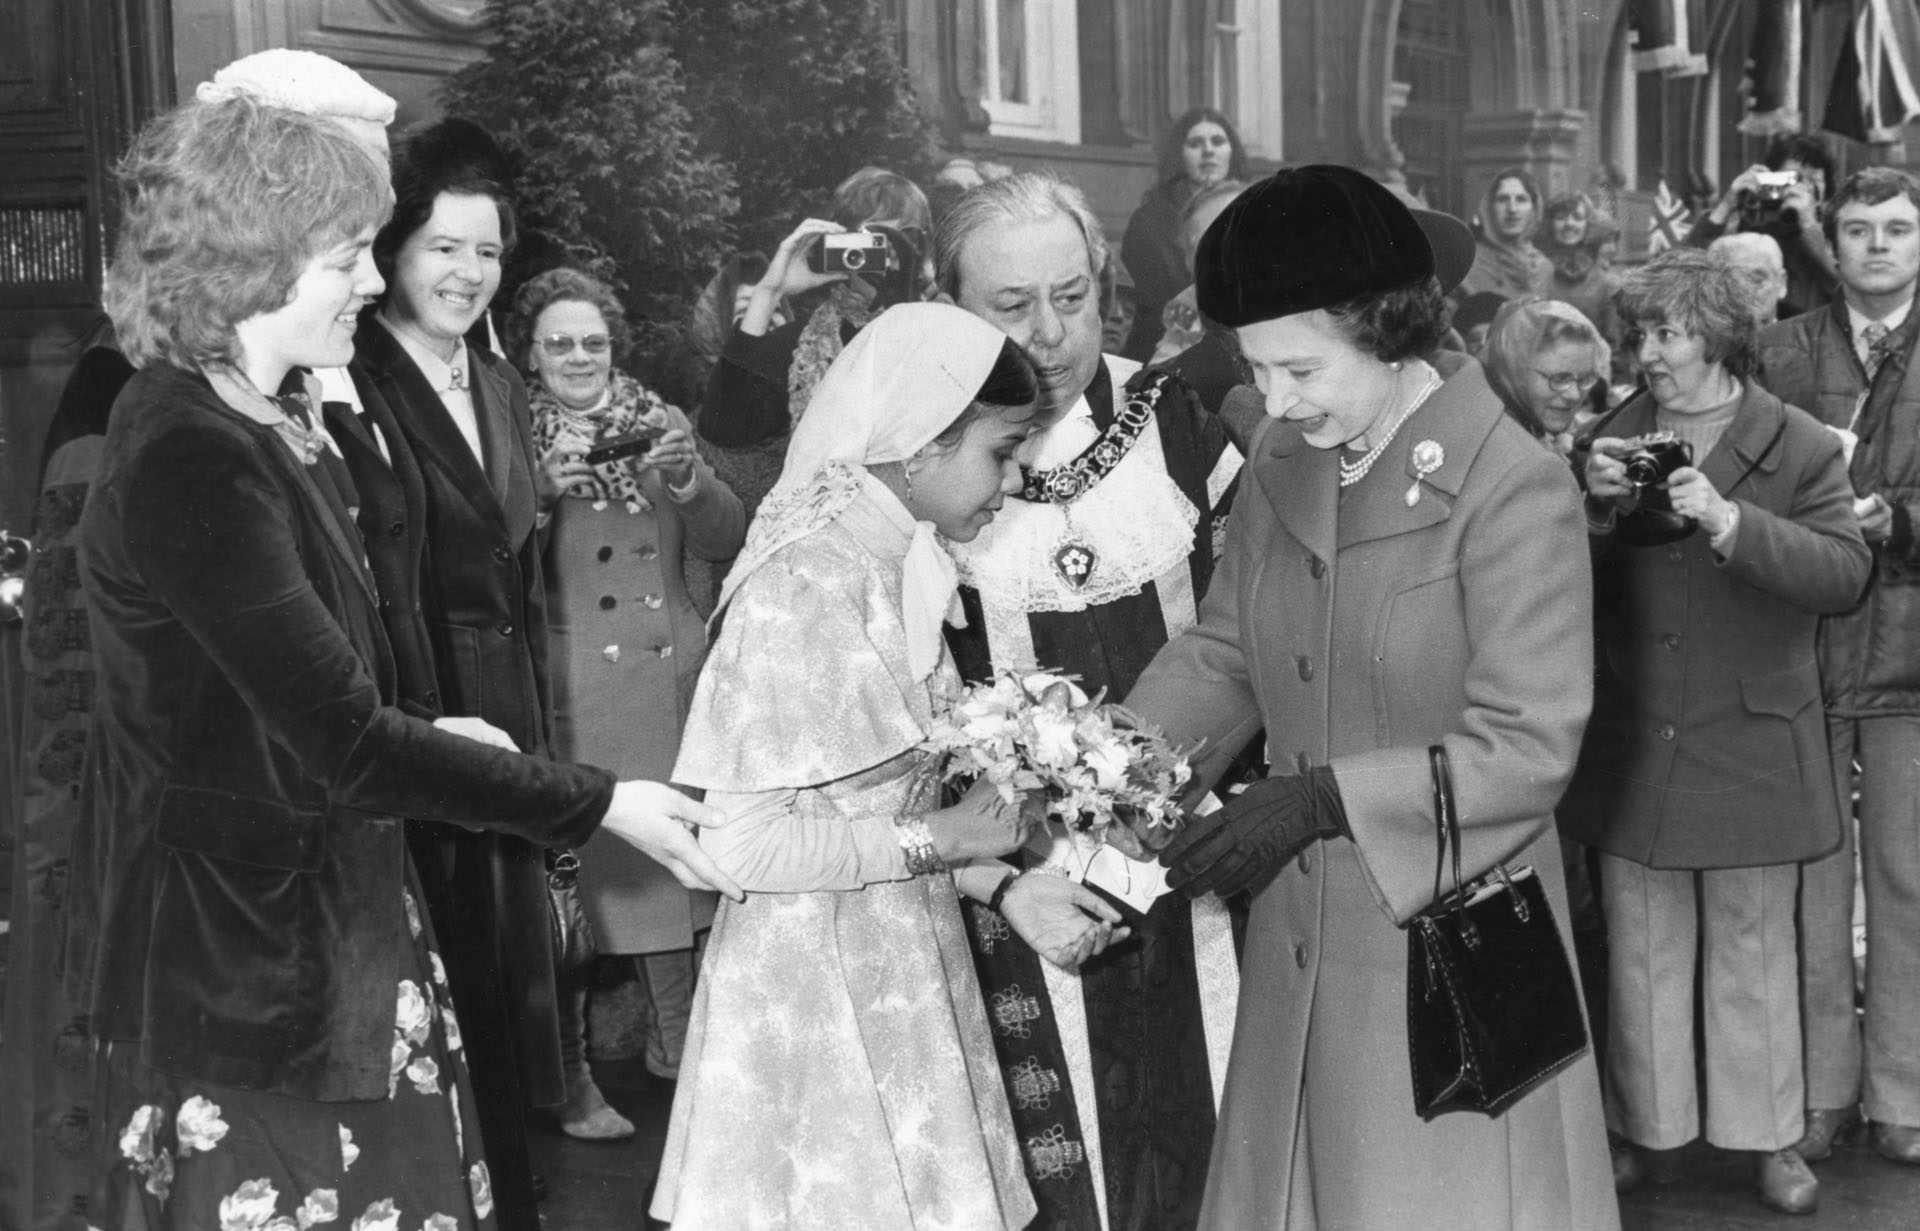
(560, 345)
(1566, 382)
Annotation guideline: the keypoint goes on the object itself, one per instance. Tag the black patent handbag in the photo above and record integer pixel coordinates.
(573, 941)
(1492, 1007)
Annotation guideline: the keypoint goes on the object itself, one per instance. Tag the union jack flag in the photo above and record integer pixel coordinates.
(1670, 222)
(1873, 93)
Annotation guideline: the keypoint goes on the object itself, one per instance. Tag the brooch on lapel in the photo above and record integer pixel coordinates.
(1428, 457)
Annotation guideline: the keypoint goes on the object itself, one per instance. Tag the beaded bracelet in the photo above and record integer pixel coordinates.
(917, 841)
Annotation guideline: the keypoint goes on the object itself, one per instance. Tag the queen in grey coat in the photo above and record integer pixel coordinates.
(1409, 569)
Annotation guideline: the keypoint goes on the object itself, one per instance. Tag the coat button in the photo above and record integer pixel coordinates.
(604, 554)
(433, 696)
(608, 602)
(1305, 665)
(663, 651)
(1671, 641)
(646, 551)
(1306, 862)
(1300, 955)
(1674, 554)
(1316, 566)
(652, 602)
(397, 529)
(505, 628)
(1664, 730)
(502, 554)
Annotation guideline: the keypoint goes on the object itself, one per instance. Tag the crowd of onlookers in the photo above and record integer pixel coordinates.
(483, 606)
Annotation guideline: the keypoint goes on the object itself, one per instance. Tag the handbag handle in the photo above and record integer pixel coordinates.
(1446, 830)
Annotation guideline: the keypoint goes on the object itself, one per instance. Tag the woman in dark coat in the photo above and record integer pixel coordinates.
(279, 1043)
(1704, 780)
(1406, 570)
(461, 418)
(1200, 148)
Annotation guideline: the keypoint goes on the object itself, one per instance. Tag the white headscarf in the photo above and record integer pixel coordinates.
(901, 382)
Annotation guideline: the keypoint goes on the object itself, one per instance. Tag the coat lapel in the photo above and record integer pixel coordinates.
(507, 437)
(1750, 444)
(436, 440)
(1302, 484)
(1451, 427)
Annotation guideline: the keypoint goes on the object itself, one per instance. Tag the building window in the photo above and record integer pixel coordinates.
(1031, 80)
(1432, 56)
(1116, 72)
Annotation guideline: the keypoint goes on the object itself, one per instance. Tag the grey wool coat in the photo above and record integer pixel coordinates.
(1708, 746)
(1358, 630)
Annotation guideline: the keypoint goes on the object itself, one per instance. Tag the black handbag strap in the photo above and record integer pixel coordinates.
(1446, 828)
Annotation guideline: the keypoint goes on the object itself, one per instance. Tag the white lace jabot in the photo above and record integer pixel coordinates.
(1136, 519)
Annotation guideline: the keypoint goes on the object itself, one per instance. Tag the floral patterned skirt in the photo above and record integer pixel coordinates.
(194, 1156)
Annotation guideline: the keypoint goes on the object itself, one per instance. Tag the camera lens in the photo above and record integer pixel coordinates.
(1642, 471)
(854, 258)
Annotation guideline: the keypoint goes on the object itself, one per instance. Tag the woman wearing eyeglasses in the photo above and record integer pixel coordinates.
(1544, 359)
(626, 643)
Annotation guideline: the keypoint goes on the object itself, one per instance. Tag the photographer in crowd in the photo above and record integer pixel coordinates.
(834, 275)
(1724, 530)
(1781, 197)
(1851, 365)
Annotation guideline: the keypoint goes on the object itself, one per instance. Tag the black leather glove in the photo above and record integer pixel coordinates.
(1246, 843)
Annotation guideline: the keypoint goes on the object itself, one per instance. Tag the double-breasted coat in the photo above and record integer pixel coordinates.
(1358, 630)
(1708, 745)
(627, 647)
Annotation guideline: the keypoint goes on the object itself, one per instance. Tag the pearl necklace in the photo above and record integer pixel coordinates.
(1353, 472)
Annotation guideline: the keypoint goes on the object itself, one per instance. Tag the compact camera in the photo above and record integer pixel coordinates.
(1650, 461)
(1763, 203)
(853, 252)
(616, 448)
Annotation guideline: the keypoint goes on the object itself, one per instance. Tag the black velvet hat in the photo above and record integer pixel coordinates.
(1315, 237)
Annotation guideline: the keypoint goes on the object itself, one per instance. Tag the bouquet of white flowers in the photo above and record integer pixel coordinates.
(1093, 762)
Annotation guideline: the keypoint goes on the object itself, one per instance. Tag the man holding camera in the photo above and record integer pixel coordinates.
(1851, 365)
(1781, 197)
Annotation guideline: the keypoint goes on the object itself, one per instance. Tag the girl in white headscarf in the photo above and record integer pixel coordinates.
(839, 1068)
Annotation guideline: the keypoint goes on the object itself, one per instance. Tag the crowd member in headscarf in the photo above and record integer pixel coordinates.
(1506, 261)
(1407, 569)
(1098, 559)
(838, 1069)
(1544, 360)
(766, 372)
(44, 1094)
(1200, 148)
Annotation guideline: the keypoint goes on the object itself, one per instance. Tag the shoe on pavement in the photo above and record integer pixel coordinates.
(1826, 1128)
(1897, 1143)
(587, 1116)
(1787, 1184)
(1635, 1165)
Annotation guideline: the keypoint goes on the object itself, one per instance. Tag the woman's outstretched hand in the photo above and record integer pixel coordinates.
(1063, 922)
(982, 824)
(656, 820)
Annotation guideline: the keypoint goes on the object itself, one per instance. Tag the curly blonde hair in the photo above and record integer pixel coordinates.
(224, 206)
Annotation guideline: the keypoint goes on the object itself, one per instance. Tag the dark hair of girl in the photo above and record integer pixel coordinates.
(1012, 384)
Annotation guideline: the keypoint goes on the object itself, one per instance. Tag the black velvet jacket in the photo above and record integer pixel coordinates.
(239, 848)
